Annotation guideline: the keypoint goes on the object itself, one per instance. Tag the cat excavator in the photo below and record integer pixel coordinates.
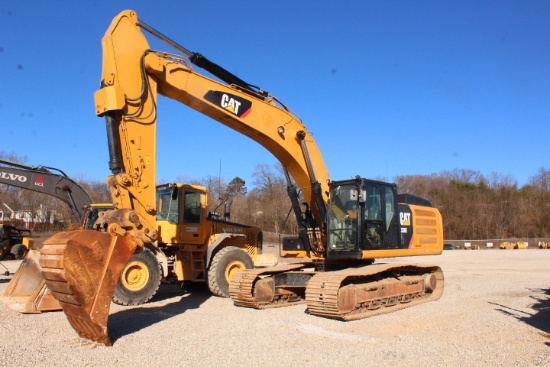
(344, 225)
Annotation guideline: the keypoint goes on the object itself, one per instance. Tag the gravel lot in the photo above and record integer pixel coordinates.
(494, 312)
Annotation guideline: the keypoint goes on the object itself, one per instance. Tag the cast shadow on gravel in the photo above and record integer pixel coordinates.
(129, 321)
(540, 319)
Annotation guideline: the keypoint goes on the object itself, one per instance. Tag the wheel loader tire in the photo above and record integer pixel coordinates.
(19, 251)
(139, 281)
(225, 264)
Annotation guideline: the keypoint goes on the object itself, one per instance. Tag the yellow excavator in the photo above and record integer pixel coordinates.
(344, 225)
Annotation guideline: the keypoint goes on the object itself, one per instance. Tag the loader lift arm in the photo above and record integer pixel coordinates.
(345, 223)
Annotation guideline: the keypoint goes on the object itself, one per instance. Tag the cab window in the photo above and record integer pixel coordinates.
(373, 223)
(168, 204)
(192, 207)
(390, 205)
(373, 210)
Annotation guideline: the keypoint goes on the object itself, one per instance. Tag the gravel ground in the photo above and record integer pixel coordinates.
(494, 312)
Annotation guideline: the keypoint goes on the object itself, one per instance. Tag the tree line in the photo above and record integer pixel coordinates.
(473, 206)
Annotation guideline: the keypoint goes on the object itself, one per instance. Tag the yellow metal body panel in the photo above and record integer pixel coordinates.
(428, 230)
(109, 99)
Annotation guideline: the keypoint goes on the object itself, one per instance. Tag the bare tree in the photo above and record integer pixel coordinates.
(270, 191)
(541, 180)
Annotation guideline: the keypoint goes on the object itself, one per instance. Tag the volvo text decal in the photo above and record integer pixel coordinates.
(229, 102)
(12, 176)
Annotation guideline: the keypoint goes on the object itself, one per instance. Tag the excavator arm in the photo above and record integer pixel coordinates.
(41, 179)
(133, 74)
(82, 268)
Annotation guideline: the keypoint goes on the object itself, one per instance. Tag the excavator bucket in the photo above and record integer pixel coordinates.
(27, 291)
(81, 268)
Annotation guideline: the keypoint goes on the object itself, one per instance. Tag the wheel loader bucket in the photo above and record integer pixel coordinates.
(27, 291)
(81, 268)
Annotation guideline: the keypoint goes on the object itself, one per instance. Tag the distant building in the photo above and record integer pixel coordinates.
(26, 216)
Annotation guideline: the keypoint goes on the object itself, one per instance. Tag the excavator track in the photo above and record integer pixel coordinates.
(252, 288)
(81, 269)
(357, 293)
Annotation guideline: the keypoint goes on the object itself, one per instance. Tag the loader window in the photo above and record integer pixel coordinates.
(93, 214)
(192, 207)
(168, 204)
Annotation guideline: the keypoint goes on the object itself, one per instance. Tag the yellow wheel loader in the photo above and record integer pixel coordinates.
(196, 250)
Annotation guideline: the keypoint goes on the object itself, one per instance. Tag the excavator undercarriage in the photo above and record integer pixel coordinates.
(348, 294)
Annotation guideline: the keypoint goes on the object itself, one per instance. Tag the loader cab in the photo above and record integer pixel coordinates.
(362, 215)
(181, 213)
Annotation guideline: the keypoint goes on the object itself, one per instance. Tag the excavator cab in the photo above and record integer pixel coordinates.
(366, 215)
(360, 217)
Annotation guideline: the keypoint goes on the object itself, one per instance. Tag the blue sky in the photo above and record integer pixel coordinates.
(387, 87)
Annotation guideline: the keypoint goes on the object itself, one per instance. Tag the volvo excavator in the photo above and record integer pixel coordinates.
(344, 224)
